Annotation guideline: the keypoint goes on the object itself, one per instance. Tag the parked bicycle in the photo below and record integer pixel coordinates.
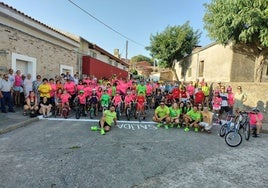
(233, 138)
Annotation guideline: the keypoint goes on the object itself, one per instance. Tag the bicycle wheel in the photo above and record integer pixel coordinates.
(91, 113)
(246, 130)
(139, 116)
(233, 138)
(65, 112)
(77, 113)
(128, 114)
(223, 130)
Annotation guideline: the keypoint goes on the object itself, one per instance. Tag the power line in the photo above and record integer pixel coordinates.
(109, 27)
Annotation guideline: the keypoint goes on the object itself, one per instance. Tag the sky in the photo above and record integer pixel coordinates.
(119, 20)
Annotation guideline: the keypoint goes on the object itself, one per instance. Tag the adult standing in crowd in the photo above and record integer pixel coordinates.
(36, 84)
(27, 85)
(17, 87)
(240, 99)
(44, 90)
(5, 93)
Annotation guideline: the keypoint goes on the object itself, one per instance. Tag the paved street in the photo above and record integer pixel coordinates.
(65, 153)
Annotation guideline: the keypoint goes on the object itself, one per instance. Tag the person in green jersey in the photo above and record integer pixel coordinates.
(108, 117)
(175, 112)
(192, 119)
(141, 88)
(161, 115)
(105, 99)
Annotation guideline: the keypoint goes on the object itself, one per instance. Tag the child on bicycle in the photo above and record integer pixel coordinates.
(82, 98)
(65, 96)
(117, 100)
(128, 100)
(141, 104)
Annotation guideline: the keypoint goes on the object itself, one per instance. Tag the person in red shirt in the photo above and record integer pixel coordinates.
(199, 97)
(176, 94)
(141, 103)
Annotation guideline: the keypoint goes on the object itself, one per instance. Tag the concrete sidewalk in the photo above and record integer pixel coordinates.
(11, 121)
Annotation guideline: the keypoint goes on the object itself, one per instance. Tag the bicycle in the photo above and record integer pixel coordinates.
(233, 138)
(79, 109)
(130, 110)
(227, 125)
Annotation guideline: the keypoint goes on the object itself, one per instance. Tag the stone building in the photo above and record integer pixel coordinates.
(216, 62)
(33, 47)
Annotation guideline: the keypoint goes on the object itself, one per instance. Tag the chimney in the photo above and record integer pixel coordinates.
(116, 53)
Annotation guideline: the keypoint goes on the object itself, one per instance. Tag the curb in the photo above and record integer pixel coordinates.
(19, 125)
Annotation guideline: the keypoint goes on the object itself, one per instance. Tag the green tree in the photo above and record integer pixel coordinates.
(139, 58)
(174, 42)
(243, 23)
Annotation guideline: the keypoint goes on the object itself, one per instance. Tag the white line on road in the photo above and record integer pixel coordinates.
(92, 120)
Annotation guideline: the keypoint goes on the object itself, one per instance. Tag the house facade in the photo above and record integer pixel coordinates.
(216, 62)
(33, 47)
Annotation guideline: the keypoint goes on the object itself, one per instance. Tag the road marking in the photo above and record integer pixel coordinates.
(94, 120)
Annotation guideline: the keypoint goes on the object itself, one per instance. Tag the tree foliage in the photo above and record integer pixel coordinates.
(243, 22)
(174, 42)
(139, 58)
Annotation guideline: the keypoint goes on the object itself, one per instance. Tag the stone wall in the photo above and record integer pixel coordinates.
(49, 56)
(257, 95)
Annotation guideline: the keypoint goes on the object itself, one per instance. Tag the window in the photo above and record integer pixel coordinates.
(265, 70)
(201, 69)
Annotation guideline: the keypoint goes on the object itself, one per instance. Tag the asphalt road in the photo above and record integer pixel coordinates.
(65, 153)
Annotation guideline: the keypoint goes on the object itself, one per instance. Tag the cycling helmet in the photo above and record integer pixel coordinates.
(81, 91)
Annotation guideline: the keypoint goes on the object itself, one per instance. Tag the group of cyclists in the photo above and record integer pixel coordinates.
(174, 103)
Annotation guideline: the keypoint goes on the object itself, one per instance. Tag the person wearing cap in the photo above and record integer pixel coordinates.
(161, 115)
(255, 121)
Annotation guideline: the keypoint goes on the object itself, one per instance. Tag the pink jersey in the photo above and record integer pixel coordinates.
(149, 89)
(53, 89)
(18, 80)
(190, 89)
(65, 97)
(231, 99)
(109, 91)
(82, 98)
(216, 101)
(128, 99)
(70, 87)
(117, 100)
(88, 90)
(80, 87)
(253, 118)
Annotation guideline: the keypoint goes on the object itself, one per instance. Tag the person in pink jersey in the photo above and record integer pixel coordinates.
(255, 121)
(216, 102)
(82, 99)
(231, 99)
(190, 89)
(70, 87)
(17, 87)
(65, 96)
(128, 99)
(109, 89)
(117, 100)
(80, 85)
